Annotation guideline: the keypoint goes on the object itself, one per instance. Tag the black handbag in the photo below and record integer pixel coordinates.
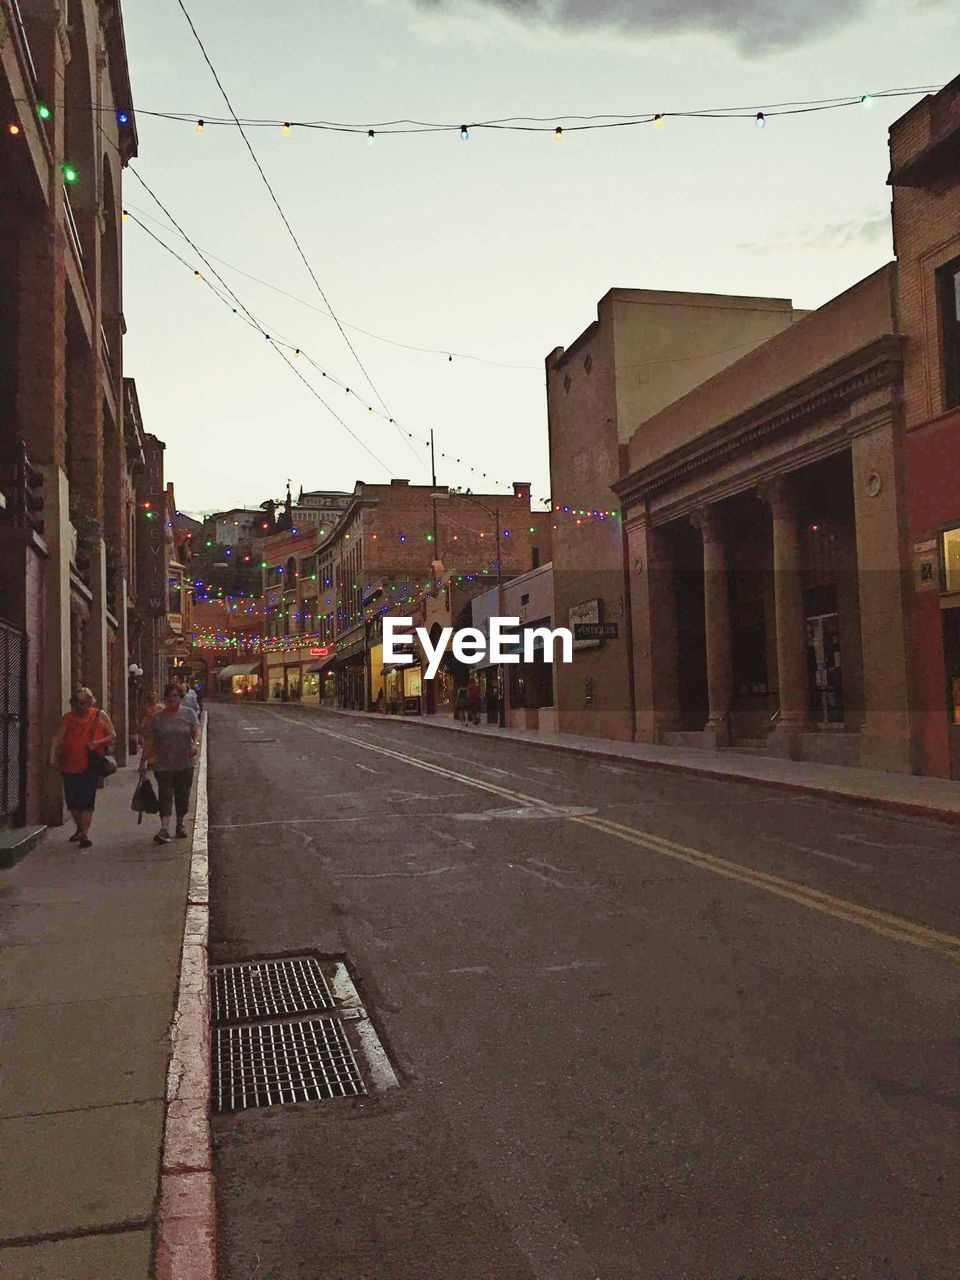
(105, 765)
(144, 798)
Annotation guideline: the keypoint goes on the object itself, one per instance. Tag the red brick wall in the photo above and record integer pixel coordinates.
(926, 227)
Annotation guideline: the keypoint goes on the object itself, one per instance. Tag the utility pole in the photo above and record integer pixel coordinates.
(433, 480)
(495, 513)
(501, 692)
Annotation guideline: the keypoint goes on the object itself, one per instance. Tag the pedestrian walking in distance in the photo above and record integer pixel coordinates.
(190, 699)
(78, 749)
(474, 696)
(172, 745)
(460, 705)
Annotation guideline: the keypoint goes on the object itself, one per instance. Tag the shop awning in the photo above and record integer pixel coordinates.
(350, 651)
(321, 664)
(238, 669)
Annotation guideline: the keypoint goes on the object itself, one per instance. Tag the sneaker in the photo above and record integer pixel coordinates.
(181, 831)
(84, 842)
(162, 836)
(75, 837)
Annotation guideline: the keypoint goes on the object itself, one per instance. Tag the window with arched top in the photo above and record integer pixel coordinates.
(290, 575)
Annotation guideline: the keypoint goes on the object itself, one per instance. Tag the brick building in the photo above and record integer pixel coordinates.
(69, 130)
(925, 176)
(645, 349)
(327, 588)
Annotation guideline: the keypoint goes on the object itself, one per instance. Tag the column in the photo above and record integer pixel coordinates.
(40, 418)
(888, 738)
(653, 617)
(719, 641)
(788, 596)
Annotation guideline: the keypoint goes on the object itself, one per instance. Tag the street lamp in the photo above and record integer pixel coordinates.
(443, 496)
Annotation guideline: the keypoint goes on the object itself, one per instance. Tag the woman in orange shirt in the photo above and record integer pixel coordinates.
(84, 734)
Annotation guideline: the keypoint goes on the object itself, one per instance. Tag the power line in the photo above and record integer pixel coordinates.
(247, 316)
(449, 353)
(295, 351)
(278, 206)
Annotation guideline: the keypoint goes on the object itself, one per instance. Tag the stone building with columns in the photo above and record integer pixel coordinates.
(763, 521)
(68, 130)
(646, 348)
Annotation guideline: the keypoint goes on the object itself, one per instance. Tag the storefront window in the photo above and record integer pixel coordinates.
(950, 549)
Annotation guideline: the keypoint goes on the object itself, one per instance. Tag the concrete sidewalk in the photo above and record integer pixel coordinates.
(91, 959)
(900, 792)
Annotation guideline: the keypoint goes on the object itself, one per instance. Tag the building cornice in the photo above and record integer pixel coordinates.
(875, 365)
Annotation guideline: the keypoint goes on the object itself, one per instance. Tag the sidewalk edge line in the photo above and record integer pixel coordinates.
(907, 807)
(185, 1234)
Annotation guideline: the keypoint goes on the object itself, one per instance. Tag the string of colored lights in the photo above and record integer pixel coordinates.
(248, 318)
(343, 618)
(252, 321)
(296, 351)
(278, 342)
(559, 124)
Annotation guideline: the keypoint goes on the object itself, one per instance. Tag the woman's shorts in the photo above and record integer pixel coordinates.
(80, 790)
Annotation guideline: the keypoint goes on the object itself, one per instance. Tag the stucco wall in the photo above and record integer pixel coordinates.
(843, 326)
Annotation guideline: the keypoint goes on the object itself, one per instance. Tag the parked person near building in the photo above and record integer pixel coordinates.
(79, 746)
(172, 746)
(474, 700)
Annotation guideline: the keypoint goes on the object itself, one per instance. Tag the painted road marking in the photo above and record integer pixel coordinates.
(528, 811)
(883, 923)
(557, 884)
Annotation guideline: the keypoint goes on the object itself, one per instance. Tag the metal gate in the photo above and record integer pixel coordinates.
(13, 669)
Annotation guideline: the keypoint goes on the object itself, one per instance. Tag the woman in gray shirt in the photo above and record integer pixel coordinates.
(172, 745)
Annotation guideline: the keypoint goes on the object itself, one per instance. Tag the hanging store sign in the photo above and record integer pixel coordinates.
(585, 614)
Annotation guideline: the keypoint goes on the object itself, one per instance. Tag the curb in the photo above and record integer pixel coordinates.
(906, 807)
(186, 1214)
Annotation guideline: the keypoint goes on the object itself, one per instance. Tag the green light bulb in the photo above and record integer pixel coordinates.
(43, 111)
(70, 174)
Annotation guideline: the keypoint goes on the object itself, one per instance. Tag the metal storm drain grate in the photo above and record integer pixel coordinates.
(282, 1062)
(280, 1034)
(268, 989)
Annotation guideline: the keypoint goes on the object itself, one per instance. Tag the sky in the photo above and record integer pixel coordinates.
(496, 249)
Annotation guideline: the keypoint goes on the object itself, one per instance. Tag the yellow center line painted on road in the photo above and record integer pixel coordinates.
(880, 922)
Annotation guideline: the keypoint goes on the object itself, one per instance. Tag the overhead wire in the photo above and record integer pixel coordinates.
(279, 207)
(449, 353)
(272, 335)
(247, 316)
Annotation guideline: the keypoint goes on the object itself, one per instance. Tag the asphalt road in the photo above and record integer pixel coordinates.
(646, 1025)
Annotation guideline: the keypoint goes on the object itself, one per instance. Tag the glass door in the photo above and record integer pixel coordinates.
(824, 679)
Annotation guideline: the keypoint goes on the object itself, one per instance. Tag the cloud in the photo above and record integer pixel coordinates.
(873, 227)
(755, 26)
